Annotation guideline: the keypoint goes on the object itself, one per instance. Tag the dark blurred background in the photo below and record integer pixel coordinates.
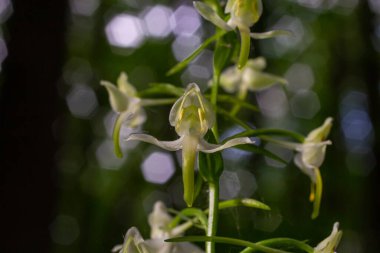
(63, 190)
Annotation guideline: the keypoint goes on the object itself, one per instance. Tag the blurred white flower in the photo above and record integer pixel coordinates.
(124, 101)
(310, 156)
(330, 244)
(159, 221)
(243, 15)
(251, 77)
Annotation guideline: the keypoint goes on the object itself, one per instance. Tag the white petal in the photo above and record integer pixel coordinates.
(230, 79)
(137, 119)
(229, 5)
(258, 63)
(309, 171)
(168, 145)
(257, 80)
(192, 113)
(329, 244)
(209, 14)
(125, 86)
(320, 134)
(244, 14)
(206, 147)
(313, 155)
(118, 100)
(270, 34)
(133, 242)
(159, 220)
(158, 246)
(117, 248)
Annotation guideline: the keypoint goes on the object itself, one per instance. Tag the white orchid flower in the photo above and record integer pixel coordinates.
(330, 244)
(192, 116)
(310, 156)
(251, 77)
(243, 15)
(124, 101)
(159, 221)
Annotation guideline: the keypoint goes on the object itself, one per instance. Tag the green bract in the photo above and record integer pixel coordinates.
(330, 244)
(159, 221)
(192, 116)
(243, 15)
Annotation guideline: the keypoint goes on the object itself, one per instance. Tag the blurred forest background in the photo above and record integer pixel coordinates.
(63, 190)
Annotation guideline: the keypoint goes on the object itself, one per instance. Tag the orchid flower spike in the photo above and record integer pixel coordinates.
(310, 156)
(159, 221)
(330, 244)
(243, 15)
(251, 77)
(192, 116)
(124, 101)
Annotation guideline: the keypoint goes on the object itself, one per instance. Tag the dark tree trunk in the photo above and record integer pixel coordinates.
(29, 104)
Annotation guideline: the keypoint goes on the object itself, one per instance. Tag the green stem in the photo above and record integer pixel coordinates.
(181, 65)
(213, 215)
(159, 101)
(214, 88)
(240, 96)
(214, 100)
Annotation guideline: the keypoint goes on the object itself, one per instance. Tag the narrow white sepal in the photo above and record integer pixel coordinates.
(270, 34)
(118, 100)
(257, 80)
(168, 145)
(206, 147)
(209, 14)
(125, 86)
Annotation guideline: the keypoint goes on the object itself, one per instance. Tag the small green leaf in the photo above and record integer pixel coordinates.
(227, 240)
(210, 165)
(162, 89)
(198, 186)
(262, 151)
(243, 202)
(190, 212)
(181, 65)
(284, 243)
